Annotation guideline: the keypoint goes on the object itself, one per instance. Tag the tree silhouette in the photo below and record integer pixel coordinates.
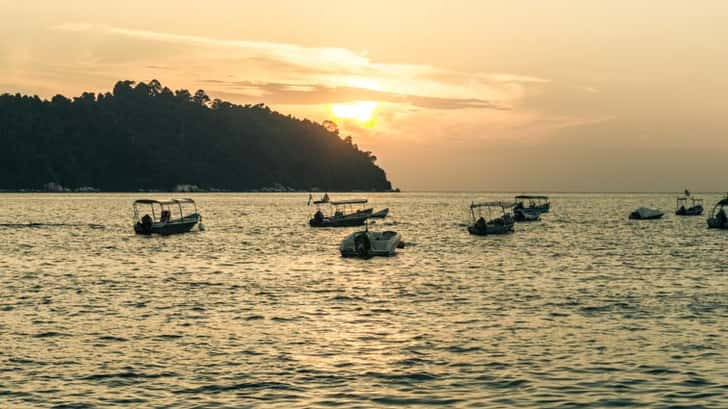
(144, 135)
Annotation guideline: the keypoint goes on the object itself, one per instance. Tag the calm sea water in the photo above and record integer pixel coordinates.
(584, 309)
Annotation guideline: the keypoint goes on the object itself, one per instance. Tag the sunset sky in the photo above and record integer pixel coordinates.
(458, 95)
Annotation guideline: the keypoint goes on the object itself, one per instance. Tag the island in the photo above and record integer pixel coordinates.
(144, 136)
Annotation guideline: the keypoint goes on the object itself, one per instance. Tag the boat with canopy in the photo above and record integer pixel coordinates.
(538, 203)
(689, 206)
(718, 218)
(165, 217)
(342, 213)
(491, 218)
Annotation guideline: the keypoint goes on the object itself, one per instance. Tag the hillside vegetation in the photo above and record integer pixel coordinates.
(145, 136)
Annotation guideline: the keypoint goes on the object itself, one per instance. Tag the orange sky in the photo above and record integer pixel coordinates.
(474, 95)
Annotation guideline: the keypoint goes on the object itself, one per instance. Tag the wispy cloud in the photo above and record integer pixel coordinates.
(292, 74)
(314, 94)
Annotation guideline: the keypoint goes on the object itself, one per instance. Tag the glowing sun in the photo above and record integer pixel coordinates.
(360, 111)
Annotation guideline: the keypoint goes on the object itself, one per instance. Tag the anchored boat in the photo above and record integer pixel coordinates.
(718, 218)
(366, 244)
(345, 213)
(491, 218)
(689, 206)
(644, 213)
(540, 204)
(158, 219)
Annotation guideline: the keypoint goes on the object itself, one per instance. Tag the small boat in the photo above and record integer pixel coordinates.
(381, 214)
(499, 218)
(537, 203)
(718, 218)
(644, 213)
(345, 213)
(695, 208)
(526, 215)
(160, 220)
(366, 244)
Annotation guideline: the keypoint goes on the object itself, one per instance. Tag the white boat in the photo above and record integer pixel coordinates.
(644, 213)
(366, 244)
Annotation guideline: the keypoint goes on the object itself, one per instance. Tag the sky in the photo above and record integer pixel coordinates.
(459, 95)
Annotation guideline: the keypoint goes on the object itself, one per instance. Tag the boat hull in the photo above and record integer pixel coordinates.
(490, 229)
(693, 211)
(716, 223)
(526, 215)
(168, 228)
(350, 220)
(644, 213)
(381, 214)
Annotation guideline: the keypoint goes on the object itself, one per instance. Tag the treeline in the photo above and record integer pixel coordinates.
(146, 136)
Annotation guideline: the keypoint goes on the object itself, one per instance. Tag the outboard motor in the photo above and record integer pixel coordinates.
(362, 245)
(147, 224)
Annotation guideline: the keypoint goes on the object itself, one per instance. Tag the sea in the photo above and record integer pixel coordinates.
(583, 309)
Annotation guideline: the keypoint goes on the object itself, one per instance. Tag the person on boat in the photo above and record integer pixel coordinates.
(318, 216)
(165, 216)
(480, 224)
(338, 214)
(147, 220)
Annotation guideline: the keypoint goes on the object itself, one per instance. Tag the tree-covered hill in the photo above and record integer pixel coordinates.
(145, 136)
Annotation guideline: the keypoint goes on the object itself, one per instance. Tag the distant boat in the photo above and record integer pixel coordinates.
(491, 218)
(533, 202)
(380, 214)
(718, 218)
(344, 213)
(695, 207)
(644, 213)
(159, 219)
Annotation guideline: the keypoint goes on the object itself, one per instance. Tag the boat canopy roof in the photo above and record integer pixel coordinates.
(164, 202)
(502, 204)
(349, 202)
(532, 197)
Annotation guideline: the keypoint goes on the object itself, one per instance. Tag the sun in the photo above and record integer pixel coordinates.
(360, 111)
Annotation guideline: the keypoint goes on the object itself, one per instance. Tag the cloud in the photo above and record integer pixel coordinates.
(294, 74)
(313, 94)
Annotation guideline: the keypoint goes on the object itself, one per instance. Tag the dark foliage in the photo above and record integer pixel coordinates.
(147, 136)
